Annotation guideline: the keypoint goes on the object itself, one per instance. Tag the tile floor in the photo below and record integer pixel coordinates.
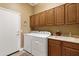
(22, 53)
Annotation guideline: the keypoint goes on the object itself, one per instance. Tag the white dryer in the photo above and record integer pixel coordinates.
(37, 43)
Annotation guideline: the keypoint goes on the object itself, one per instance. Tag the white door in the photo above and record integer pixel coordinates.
(9, 28)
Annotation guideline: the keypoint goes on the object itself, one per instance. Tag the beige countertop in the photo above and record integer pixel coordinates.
(64, 38)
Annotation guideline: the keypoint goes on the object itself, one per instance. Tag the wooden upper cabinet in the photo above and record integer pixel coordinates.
(64, 14)
(32, 20)
(77, 12)
(70, 13)
(36, 20)
(50, 17)
(42, 20)
(59, 15)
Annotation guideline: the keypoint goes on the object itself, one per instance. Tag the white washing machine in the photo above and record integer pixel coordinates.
(37, 43)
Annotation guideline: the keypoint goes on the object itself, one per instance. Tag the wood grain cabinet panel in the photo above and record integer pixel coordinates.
(50, 17)
(59, 15)
(54, 49)
(69, 52)
(70, 13)
(77, 12)
(42, 20)
(62, 48)
(49, 50)
(70, 49)
(36, 20)
(71, 45)
(32, 21)
(54, 42)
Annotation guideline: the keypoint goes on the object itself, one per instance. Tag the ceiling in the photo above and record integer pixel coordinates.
(33, 4)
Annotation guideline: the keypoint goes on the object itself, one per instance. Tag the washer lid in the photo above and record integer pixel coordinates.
(42, 34)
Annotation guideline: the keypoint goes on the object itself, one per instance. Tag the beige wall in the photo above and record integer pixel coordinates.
(25, 10)
(45, 6)
(65, 29)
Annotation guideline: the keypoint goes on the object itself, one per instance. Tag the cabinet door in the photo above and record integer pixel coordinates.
(50, 19)
(77, 12)
(69, 52)
(70, 13)
(36, 20)
(49, 50)
(42, 19)
(59, 15)
(32, 21)
(54, 48)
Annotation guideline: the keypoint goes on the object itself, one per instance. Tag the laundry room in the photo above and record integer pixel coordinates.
(39, 29)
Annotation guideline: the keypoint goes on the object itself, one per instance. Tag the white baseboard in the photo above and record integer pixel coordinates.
(21, 49)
